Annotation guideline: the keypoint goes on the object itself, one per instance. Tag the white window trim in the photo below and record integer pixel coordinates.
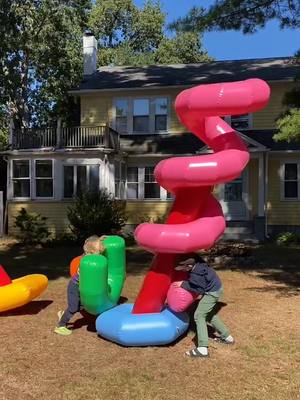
(119, 164)
(81, 163)
(15, 198)
(227, 118)
(34, 178)
(152, 114)
(282, 180)
(141, 187)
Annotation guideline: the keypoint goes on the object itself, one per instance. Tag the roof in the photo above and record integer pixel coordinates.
(269, 69)
(188, 143)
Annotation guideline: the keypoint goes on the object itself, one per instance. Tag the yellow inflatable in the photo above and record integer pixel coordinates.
(21, 291)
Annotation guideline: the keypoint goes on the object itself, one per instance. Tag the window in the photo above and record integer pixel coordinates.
(152, 189)
(233, 191)
(44, 178)
(121, 115)
(132, 183)
(240, 122)
(79, 179)
(120, 180)
(161, 109)
(21, 178)
(141, 116)
(291, 181)
(141, 184)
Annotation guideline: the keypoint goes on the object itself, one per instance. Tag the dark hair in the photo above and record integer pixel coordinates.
(189, 258)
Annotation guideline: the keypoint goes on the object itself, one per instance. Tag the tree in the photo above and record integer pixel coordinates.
(183, 48)
(40, 57)
(289, 126)
(128, 35)
(245, 15)
(289, 123)
(96, 213)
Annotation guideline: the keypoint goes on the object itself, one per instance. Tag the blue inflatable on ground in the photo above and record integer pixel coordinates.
(121, 326)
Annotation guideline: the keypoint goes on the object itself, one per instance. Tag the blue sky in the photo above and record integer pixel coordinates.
(233, 45)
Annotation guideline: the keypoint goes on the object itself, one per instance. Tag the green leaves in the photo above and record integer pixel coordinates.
(96, 213)
(41, 56)
(289, 126)
(33, 227)
(245, 15)
(289, 123)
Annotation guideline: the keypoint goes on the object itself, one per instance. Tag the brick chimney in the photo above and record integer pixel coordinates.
(89, 54)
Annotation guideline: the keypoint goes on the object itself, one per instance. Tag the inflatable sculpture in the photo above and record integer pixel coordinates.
(196, 219)
(101, 276)
(18, 292)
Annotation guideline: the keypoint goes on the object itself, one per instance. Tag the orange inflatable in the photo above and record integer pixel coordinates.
(74, 265)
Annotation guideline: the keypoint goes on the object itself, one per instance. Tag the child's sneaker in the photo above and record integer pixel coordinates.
(62, 330)
(228, 340)
(197, 352)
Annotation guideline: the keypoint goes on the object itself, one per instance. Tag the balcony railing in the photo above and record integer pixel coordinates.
(72, 137)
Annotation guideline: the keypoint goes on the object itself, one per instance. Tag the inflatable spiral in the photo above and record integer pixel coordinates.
(196, 219)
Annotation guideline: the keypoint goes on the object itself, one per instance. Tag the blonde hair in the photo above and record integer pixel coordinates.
(93, 245)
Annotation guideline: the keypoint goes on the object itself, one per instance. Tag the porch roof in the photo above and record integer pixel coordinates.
(188, 143)
(109, 78)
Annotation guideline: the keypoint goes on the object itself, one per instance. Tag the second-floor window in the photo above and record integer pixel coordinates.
(79, 179)
(141, 115)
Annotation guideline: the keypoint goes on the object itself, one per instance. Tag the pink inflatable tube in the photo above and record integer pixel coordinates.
(196, 220)
(180, 299)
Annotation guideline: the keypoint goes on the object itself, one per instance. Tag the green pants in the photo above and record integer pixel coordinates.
(207, 312)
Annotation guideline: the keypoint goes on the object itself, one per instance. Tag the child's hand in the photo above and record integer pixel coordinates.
(177, 283)
(103, 237)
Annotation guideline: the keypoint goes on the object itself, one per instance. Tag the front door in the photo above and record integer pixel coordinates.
(233, 197)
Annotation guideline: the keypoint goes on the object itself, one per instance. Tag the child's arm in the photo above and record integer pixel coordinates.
(184, 268)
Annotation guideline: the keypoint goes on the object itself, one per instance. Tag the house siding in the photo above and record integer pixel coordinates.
(55, 212)
(145, 211)
(280, 212)
(57, 220)
(97, 109)
(266, 118)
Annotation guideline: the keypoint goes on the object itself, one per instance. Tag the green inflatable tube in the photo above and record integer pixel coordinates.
(102, 277)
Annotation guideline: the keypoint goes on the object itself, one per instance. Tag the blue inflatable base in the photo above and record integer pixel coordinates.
(119, 325)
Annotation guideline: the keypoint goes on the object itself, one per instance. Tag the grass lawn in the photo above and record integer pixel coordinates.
(261, 307)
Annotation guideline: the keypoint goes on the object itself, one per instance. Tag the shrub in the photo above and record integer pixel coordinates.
(32, 226)
(96, 213)
(286, 238)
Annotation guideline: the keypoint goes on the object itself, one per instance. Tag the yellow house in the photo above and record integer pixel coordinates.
(128, 124)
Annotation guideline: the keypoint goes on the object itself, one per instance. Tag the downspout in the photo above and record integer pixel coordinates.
(5, 216)
(266, 193)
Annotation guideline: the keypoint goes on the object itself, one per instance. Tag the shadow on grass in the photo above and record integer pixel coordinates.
(32, 308)
(280, 265)
(19, 260)
(87, 320)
